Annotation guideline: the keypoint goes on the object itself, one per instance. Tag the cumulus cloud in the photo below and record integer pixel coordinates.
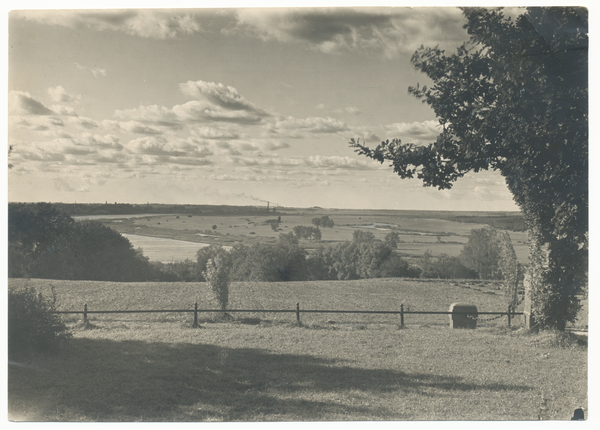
(170, 148)
(87, 123)
(426, 131)
(423, 132)
(153, 146)
(204, 112)
(299, 127)
(337, 162)
(391, 31)
(206, 132)
(109, 141)
(22, 103)
(302, 164)
(259, 146)
(155, 24)
(96, 71)
(138, 128)
(213, 102)
(274, 145)
(64, 110)
(158, 115)
(56, 150)
(218, 94)
(59, 95)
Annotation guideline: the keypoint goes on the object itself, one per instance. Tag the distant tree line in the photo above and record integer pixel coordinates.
(46, 243)
(116, 208)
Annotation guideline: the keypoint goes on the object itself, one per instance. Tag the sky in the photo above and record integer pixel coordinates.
(234, 106)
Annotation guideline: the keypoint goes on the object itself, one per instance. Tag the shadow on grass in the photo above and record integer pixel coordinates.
(104, 380)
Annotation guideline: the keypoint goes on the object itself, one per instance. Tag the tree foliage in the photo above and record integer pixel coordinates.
(217, 275)
(362, 258)
(514, 98)
(360, 236)
(392, 239)
(32, 324)
(323, 221)
(46, 243)
(444, 267)
(307, 232)
(481, 253)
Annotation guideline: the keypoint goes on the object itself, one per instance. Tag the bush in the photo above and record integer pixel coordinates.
(46, 243)
(444, 267)
(177, 271)
(32, 327)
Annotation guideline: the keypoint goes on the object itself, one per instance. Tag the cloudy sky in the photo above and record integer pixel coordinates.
(225, 106)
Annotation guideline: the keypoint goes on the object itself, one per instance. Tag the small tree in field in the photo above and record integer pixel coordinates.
(482, 253)
(217, 275)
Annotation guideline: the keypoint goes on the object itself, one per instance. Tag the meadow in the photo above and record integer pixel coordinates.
(266, 367)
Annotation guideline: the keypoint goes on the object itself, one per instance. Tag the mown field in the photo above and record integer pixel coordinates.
(367, 294)
(265, 367)
(371, 294)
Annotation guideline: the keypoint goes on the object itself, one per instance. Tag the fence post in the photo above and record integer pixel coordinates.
(509, 310)
(402, 315)
(195, 315)
(85, 320)
(298, 312)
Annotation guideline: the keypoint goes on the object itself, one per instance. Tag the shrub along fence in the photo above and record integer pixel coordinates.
(473, 315)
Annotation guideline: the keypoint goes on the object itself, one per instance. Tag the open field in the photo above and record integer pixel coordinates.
(265, 367)
(372, 294)
(369, 294)
(418, 232)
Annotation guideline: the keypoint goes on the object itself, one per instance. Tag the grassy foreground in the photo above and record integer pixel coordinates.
(240, 372)
(152, 367)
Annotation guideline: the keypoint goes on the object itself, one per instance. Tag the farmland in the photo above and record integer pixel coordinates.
(265, 367)
(259, 365)
(419, 231)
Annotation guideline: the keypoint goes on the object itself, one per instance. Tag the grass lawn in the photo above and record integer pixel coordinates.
(132, 371)
(264, 367)
(370, 294)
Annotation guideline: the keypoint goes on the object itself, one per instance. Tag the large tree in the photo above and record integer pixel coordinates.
(44, 242)
(514, 98)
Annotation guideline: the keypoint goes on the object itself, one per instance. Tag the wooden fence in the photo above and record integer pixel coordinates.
(509, 312)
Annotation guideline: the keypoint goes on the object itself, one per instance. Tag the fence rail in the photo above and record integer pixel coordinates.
(509, 312)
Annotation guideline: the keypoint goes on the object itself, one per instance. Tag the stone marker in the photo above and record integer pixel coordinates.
(460, 319)
(528, 318)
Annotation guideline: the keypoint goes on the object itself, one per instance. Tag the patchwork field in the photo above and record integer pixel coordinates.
(418, 232)
(265, 367)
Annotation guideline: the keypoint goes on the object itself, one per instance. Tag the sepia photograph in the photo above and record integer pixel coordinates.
(297, 214)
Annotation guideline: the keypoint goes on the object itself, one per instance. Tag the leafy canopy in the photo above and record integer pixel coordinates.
(514, 98)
